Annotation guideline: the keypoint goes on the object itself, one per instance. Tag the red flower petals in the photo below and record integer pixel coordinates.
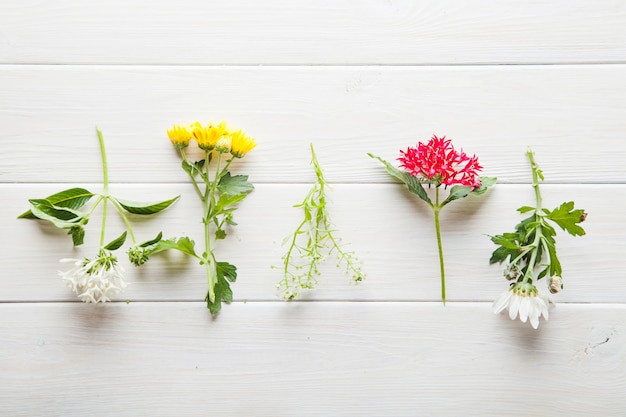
(439, 163)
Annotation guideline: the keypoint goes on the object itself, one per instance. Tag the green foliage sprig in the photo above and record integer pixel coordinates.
(313, 240)
(531, 248)
(219, 191)
(63, 209)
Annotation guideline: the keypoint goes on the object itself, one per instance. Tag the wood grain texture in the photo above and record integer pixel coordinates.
(572, 116)
(351, 77)
(322, 32)
(388, 228)
(309, 359)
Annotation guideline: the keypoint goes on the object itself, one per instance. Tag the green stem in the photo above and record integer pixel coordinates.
(191, 175)
(103, 153)
(528, 276)
(436, 210)
(104, 221)
(208, 204)
(535, 171)
(126, 221)
(105, 173)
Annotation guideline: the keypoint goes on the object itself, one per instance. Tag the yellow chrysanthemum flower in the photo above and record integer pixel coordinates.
(208, 136)
(241, 144)
(179, 136)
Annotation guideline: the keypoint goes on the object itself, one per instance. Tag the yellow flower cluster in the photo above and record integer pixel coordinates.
(218, 137)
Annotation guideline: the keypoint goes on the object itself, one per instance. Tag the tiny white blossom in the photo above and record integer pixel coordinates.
(94, 280)
(523, 299)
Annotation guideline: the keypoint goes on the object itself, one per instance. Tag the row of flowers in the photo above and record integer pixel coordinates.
(529, 252)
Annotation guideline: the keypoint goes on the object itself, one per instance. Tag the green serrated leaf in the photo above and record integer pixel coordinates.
(225, 273)
(411, 182)
(501, 254)
(220, 234)
(507, 242)
(145, 208)
(555, 264)
(566, 217)
(233, 185)
(225, 201)
(525, 209)
(183, 244)
(116, 243)
(73, 198)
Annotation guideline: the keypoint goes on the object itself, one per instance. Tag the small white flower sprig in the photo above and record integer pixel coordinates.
(219, 191)
(531, 254)
(93, 280)
(312, 241)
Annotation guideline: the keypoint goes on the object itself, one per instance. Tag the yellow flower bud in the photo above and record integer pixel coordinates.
(241, 144)
(179, 136)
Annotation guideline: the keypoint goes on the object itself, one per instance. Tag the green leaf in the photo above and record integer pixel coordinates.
(485, 183)
(555, 264)
(117, 243)
(225, 201)
(233, 185)
(145, 208)
(411, 182)
(73, 198)
(225, 272)
(508, 241)
(526, 209)
(151, 241)
(500, 254)
(78, 235)
(59, 213)
(43, 215)
(456, 192)
(183, 244)
(567, 218)
(220, 234)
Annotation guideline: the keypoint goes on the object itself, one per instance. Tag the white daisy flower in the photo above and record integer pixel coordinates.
(523, 299)
(94, 280)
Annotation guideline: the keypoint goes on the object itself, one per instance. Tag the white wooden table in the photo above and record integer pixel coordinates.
(352, 78)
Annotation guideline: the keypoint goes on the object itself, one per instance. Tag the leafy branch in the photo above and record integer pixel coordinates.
(63, 209)
(531, 248)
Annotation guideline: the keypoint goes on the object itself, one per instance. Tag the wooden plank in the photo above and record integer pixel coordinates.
(309, 359)
(390, 230)
(324, 32)
(571, 116)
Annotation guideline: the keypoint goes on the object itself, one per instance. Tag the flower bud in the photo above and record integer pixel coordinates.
(556, 284)
(223, 145)
(511, 272)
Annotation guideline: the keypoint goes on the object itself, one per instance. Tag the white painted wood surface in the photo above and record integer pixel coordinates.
(351, 77)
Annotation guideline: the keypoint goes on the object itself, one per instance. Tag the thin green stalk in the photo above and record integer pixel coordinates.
(207, 204)
(103, 154)
(105, 173)
(126, 221)
(436, 210)
(191, 176)
(528, 276)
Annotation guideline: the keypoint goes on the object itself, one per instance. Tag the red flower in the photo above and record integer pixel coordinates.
(439, 163)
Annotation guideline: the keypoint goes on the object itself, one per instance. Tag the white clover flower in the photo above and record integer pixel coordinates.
(525, 299)
(94, 280)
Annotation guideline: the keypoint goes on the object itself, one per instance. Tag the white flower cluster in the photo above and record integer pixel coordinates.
(523, 299)
(95, 280)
